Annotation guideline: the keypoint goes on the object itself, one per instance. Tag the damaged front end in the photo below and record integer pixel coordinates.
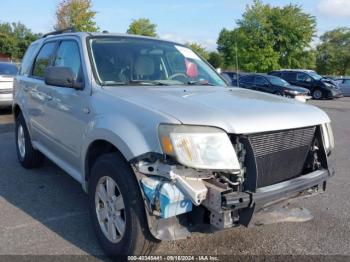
(268, 167)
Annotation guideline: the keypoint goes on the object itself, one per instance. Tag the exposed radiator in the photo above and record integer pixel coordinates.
(280, 155)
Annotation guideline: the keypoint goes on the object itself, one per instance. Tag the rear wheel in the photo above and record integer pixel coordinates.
(317, 94)
(26, 154)
(117, 209)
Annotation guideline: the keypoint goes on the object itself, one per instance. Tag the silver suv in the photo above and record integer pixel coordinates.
(158, 141)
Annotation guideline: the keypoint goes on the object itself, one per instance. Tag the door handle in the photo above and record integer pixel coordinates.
(49, 98)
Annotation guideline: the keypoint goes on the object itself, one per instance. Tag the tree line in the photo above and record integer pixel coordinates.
(265, 38)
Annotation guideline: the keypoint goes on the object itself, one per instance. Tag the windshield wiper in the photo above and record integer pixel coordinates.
(147, 82)
(199, 82)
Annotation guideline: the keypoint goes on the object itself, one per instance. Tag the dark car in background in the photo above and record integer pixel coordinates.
(344, 85)
(232, 78)
(7, 73)
(320, 87)
(273, 85)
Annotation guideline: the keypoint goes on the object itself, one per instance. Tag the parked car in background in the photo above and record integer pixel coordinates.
(274, 85)
(344, 85)
(319, 86)
(233, 77)
(7, 73)
(159, 142)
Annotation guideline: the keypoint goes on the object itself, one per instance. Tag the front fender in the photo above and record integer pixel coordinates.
(130, 138)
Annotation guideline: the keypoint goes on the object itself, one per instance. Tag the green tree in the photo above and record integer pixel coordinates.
(15, 39)
(333, 53)
(142, 26)
(199, 49)
(215, 59)
(268, 38)
(76, 13)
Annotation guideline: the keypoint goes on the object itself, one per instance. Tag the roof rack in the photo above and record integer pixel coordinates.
(58, 32)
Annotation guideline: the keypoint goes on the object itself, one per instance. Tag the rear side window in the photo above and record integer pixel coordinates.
(28, 60)
(43, 60)
(346, 81)
(289, 76)
(276, 74)
(247, 79)
(259, 80)
(68, 56)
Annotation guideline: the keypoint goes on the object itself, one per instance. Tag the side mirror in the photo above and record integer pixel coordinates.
(61, 76)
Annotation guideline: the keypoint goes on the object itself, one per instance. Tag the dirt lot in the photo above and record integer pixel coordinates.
(44, 211)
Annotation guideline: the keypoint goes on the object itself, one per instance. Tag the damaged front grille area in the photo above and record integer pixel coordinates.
(274, 157)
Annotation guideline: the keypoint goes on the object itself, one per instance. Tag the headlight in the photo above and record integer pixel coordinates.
(330, 85)
(199, 147)
(291, 92)
(328, 139)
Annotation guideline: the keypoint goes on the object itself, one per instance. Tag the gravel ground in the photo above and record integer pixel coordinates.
(44, 211)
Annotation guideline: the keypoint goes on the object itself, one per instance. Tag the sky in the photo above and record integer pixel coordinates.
(181, 20)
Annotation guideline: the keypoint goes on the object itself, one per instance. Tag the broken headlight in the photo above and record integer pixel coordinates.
(328, 139)
(199, 147)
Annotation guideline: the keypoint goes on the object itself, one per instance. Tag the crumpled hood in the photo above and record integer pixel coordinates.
(234, 110)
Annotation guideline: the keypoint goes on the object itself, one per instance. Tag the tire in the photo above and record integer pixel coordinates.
(317, 94)
(136, 238)
(27, 156)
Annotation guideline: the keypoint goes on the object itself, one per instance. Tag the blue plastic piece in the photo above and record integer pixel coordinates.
(172, 201)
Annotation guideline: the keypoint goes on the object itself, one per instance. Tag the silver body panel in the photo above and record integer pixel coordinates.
(63, 122)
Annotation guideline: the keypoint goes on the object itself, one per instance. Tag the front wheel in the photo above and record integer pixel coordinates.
(317, 94)
(117, 209)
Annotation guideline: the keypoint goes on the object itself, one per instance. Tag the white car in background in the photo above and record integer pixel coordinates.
(7, 73)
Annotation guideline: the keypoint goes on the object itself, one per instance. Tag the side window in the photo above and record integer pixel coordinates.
(346, 82)
(259, 80)
(303, 77)
(28, 59)
(247, 79)
(43, 60)
(289, 76)
(68, 56)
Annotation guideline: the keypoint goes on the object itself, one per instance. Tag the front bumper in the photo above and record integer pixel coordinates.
(335, 93)
(270, 194)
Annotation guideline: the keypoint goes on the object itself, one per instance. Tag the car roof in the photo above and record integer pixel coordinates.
(295, 70)
(84, 35)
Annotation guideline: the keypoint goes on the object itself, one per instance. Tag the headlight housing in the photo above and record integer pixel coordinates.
(199, 147)
(328, 139)
(291, 92)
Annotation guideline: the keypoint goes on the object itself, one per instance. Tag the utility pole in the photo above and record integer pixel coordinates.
(237, 64)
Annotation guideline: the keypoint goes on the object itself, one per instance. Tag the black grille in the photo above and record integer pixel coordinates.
(281, 155)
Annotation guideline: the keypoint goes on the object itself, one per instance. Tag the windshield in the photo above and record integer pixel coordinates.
(278, 81)
(8, 69)
(137, 61)
(315, 76)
